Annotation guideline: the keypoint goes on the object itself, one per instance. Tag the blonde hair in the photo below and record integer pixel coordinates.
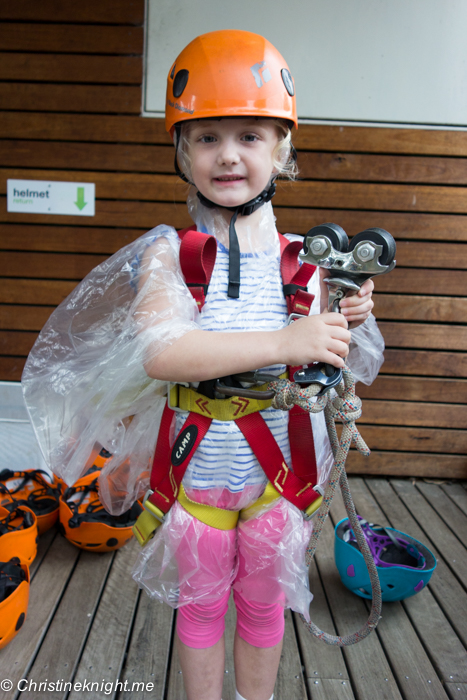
(282, 158)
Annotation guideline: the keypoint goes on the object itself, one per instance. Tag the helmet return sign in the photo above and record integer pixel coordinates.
(46, 197)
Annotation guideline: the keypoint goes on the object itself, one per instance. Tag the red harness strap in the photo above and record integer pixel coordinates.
(295, 278)
(197, 259)
(170, 463)
(269, 455)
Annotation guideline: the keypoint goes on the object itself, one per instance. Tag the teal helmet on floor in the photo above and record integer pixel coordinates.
(403, 563)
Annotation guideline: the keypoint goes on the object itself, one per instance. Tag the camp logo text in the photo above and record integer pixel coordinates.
(184, 444)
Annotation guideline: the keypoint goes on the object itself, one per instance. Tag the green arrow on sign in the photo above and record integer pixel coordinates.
(80, 197)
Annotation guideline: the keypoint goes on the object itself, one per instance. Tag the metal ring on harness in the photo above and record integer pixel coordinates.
(85, 522)
(14, 598)
(18, 534)
(31, 488)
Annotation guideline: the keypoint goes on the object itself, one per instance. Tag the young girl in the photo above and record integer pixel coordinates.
(230, 110)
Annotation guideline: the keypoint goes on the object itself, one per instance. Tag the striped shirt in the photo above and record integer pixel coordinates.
(224, 458)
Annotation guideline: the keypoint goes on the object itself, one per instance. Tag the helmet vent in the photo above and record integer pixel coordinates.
(180, 82)
(288, 82)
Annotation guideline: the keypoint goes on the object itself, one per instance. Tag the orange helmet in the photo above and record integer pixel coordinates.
(85, 522)
(229, 73)
(18, 534)
(34, 489)
(14, 598)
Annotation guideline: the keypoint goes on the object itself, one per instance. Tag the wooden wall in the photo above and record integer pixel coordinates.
(70, 99)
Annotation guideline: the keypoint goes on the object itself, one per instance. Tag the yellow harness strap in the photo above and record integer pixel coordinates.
(227, 409)
(209, 515)
(147, 523)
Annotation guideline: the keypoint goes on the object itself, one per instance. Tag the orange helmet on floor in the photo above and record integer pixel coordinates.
(14, 598)
(34, 489)
(85, 522)
(229, 73)
(18, 534)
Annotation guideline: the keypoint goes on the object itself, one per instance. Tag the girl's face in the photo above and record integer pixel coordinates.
(232, 159)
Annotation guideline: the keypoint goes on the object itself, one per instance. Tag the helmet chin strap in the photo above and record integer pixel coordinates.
(234, 248)
(243, 209)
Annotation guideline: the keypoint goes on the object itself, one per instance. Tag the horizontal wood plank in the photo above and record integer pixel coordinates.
(424, 363)
(408, 439)
(104, 12)
(84, 156)
(431, 255)
(50, 97)
(71, 69)
(408, 413)
(381, 168)
(419, 464)
(423, 281)
(83, 127)
(368, 139)
(11, 368)
(30, 291)
(424, 335)
(356, 195)
(419, 308)
(23, 318)
(69, 239)
(16, 343)
(49, 265)
(405, 225)
(394, 388)
(69, 38)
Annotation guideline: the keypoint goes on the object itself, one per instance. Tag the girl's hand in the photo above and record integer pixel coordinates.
(357, 308)
(318, 338)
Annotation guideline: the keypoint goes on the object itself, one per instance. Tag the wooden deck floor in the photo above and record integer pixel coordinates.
(88, 622)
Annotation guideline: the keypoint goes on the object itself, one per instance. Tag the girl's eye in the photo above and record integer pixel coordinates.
(250, 137)
(205, 138)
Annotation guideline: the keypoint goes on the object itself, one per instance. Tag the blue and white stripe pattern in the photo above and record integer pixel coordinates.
(224, 458)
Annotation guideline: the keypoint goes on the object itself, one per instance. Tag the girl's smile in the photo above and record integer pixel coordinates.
(232, 159)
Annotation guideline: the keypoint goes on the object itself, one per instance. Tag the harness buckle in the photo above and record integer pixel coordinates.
(312, 509)
(150, 518)
(151, 508)
(172, 401)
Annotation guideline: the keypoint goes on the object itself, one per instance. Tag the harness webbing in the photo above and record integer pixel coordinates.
(166, 477)
(197, 259)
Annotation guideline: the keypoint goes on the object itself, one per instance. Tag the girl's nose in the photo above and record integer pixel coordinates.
(228, 153)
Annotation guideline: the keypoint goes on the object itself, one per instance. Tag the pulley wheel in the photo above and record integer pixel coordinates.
(378, 236)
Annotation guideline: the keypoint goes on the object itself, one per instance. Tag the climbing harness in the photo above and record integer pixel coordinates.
(14, 598)
(228, 399)
(18, 534)
(404, 564)
(31, 488)
(85, 522)
(208, 402)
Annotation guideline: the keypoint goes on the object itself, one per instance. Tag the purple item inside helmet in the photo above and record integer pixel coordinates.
(387, 549)
(351, 570)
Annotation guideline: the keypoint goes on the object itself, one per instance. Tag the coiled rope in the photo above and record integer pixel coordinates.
(346, 407)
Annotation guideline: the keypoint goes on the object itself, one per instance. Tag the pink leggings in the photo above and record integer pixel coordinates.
(257, 593)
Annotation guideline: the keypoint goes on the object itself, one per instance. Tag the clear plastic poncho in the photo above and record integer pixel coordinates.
(85, 384)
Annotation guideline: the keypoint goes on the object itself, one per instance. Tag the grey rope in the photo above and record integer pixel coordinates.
(346, 407)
